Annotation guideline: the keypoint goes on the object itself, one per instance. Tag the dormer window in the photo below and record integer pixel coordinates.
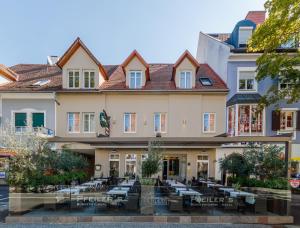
(89, 79)
(73, 79)
(185, 80)
(135, 80)
(244, 35)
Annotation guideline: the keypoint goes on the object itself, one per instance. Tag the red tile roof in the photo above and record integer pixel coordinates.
(160, 78)
(258, 17)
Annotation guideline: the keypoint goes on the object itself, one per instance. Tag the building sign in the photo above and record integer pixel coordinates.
(295, 183)
(2, 175)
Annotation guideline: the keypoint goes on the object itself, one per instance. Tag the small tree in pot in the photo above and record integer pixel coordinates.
(152, 165)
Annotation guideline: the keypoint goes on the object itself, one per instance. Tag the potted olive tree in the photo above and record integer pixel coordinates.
(150, 167)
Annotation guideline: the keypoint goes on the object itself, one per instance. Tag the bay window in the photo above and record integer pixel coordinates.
(231, 120)
(249, 120)
(244, 119)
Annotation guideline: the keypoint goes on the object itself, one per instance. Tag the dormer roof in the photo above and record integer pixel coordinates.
(8, 73)
(73, 48)
(187, 55)
(140, 58)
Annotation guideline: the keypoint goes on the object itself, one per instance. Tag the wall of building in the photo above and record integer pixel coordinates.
(30, 105)
(214, 53)
(185, 65)
(102, 158)
(81, 61)
(184, 112)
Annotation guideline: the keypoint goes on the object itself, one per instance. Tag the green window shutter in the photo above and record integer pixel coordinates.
(38, 120)
(20, 120)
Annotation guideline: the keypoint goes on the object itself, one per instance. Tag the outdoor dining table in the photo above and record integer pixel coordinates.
(74, 191)
(93, 183)
(118, 191)
(189, 192)
(127, 183)
(175, 183)
(227, 189)
(249, 197)
(214, 185)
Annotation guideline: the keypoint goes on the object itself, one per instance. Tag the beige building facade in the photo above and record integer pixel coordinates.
(178, 101)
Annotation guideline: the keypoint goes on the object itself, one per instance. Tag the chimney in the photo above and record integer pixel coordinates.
(258, 17)
(52, 60)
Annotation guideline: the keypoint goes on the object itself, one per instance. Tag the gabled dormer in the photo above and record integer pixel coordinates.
(185, 70)
(7, 75)
(136, 71)
(81, 69)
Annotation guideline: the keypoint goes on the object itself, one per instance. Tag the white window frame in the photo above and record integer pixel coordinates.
(73, 132)
(90, 123)
(130, 119)
(244, 28)
(135, 72)
(203, 119)
(89, 79)
(130, 160)
(203, 161)
(248, 69)
(160, 125)
(68, 72)
(185, 79)
(293, 129)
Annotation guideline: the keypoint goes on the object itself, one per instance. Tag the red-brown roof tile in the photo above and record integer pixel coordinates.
(160, 78)
(258, 17)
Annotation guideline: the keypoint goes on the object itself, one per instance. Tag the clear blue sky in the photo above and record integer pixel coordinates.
(159, 29)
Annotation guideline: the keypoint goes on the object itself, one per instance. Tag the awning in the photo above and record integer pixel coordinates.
(168, 142)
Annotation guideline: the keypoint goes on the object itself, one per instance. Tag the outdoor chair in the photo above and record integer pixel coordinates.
(132, 202)
(260, 205)
(175, 203)
(241, 204)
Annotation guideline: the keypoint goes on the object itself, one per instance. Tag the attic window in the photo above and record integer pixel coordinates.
(205, 81)
(41, 82)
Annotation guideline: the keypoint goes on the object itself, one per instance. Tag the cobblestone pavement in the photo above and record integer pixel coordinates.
(133, 225)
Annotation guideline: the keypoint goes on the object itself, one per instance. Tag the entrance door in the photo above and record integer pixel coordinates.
(171, 168)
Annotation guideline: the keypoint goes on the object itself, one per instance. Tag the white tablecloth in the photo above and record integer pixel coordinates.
(189, 192)
(129, 183)
(214, 185)
(227, 189)
(117, 192)
(175, 184)
(249, 197)
(70, 190)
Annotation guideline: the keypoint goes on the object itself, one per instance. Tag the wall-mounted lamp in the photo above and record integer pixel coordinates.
(98, 167)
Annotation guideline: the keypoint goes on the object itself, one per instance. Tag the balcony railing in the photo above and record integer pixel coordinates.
(42, 131)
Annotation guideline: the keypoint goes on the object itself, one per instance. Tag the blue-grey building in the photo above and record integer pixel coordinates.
(239, 72)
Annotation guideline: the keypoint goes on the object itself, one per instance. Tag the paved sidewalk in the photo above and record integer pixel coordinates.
(133, 225)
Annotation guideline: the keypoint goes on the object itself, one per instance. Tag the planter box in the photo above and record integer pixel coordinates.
(147, 200)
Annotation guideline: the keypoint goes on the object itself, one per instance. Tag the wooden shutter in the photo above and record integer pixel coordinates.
(275, 120)
(298, 121)
(37, 119)
(20, 119)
